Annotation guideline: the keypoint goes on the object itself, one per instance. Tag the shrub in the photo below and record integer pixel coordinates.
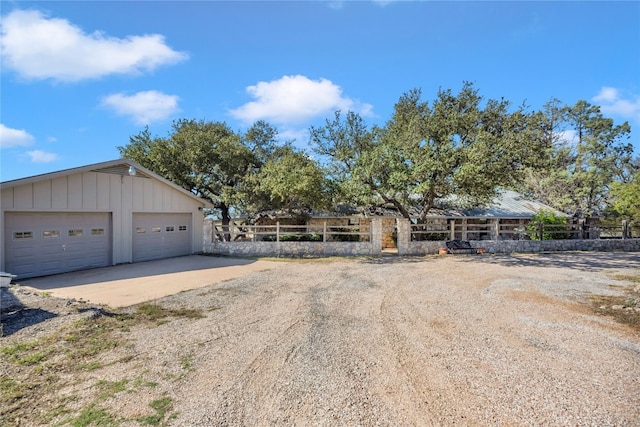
(558, 226)
(346, 237)
(314, 237)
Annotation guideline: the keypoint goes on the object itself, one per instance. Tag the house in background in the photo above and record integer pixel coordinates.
(94, 216)
(504, 218)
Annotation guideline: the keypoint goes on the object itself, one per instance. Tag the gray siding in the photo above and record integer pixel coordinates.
(119, 195)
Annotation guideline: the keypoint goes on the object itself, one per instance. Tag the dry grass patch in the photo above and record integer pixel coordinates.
(34, 373)
(624, 308)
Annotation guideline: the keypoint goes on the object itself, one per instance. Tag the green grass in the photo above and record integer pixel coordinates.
(92, 416)
(109, 389)
(90, 366)
(157, 313)
(28, 353)
(627, 278)
(10, 389)
(33, 372)
(161, 406)
(186, 362)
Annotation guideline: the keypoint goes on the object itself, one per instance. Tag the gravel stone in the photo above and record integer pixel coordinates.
(453, 340)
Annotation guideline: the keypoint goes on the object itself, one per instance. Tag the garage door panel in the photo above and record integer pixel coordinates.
(156, 236)
(59, 242)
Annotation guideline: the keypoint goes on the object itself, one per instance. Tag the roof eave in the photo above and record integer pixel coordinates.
(102, 165)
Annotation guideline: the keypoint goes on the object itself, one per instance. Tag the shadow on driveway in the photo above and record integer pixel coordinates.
(15, 316)
(585, 261)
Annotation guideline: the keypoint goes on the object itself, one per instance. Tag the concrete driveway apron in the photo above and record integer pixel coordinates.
(128, 284)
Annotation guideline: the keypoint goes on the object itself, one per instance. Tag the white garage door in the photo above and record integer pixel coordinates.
(43, 243)
(157, 236)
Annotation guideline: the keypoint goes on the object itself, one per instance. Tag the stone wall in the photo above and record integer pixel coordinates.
(529, 246)
(212, 246)
(405, 245)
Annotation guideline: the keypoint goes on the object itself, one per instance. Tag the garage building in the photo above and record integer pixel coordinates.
(94, 216)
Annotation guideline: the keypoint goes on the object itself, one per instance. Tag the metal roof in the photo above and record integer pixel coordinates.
(508, 204)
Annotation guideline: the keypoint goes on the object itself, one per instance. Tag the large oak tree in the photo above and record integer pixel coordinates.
(237, 173)
(458, 146)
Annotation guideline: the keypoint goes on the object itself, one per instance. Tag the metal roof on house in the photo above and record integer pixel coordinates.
(508, 204)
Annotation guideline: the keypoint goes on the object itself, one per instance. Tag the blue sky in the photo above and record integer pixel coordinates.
(79, 78)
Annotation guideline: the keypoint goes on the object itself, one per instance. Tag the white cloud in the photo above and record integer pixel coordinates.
(296, 99)
(143, 107)
(37, 47)
(612, 102)
(14, 137)
(39, 156)
(300, 136)
(567, 137)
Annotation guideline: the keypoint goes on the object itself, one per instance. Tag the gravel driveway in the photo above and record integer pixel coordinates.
(455, 340)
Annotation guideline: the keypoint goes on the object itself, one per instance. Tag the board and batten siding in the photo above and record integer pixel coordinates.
(120, 195)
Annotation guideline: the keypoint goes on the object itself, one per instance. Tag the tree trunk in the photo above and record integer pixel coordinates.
(426, 208)
(226, 220)
(403, 211)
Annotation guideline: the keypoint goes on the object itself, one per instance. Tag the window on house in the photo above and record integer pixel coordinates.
(182, 228)
(155, 229)
(50, 234)
(141, 230)
(170, 228)
(97, 231)
(21, 235)
(76, 232)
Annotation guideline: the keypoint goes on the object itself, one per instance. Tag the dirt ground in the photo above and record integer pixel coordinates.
(453, 340)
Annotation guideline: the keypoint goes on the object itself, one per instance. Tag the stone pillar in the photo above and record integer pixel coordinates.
(376, 236)
(404, 235)
(452, 229)
(207, 236)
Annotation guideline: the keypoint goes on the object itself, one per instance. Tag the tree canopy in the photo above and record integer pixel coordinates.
(584, 154)
(226, 168)
(626, 198)
(569, 157)
(289, 181)
(455, 146)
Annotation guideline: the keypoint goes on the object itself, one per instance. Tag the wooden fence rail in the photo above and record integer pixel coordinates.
(291, 233)
(494, 230)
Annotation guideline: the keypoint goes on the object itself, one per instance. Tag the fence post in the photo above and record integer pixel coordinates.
(541, 230)
(497, 229)
(403, 227)
(277, 231)
(324, 231)
(625, 228)
(376, 236)
(452, 229)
